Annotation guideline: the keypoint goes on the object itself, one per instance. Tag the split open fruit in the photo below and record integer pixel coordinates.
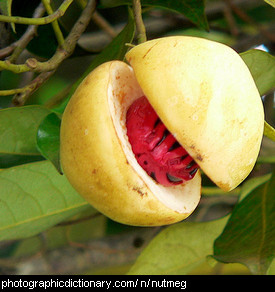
(133, 136)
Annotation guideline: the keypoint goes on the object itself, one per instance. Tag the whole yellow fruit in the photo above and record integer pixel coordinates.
(203, 93)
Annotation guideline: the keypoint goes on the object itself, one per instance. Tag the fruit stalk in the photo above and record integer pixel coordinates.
(141, 31)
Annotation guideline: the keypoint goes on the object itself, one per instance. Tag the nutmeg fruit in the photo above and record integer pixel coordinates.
(205, 98)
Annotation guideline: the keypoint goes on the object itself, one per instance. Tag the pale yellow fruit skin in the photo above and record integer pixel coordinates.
(95, 164)
(205, 95)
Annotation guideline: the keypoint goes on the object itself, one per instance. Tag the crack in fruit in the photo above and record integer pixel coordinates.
(155, 148)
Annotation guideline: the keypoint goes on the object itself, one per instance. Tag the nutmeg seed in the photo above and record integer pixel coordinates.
(155, 148)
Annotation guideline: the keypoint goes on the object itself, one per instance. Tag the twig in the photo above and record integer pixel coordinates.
(79, 26)
(48, 68)
(141, 32)
(230, 19)
(12, 91)
(27, 36)
(55, 25)
(245, 17)
(7, 50)
(100, 21)
(103, 24)
(58, 98)
(18, 46)
(23, 93)
(41, 20)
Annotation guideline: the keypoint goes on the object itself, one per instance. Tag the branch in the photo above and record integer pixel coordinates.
(18, 46)
(230, 19)
(55, 25)
(48, 68)
(103, 24)
(22, 94)
(41, 20)
(245, 17)
(141, 32)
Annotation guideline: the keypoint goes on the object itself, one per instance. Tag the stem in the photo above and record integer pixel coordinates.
(245, 17)
(41, 20)
(230, 19)
(141, 32)
(55, 25)
(23, 93)
(103, 23)
(48, 68)
(18, 46)
(31, 31)
(7, 65)
(61, 54)
(12, 91)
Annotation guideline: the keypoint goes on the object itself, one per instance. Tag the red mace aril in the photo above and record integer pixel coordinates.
(155, 148)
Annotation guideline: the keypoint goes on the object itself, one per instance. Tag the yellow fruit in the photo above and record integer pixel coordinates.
(207, 98)
(203, 93)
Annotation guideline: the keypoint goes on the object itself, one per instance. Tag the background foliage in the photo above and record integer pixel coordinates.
(45, 53)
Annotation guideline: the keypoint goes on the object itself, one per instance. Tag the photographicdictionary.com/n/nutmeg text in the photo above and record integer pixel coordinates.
(87, 283)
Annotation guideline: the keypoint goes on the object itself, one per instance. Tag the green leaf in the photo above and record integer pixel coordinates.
(116, 50)
(34, 197)
(72, 230)
(269, 131)
(10, 160)
(262, 67)
(248, 237)
(192, 9)
(179, 248)
(48, 141)
(270, 2)
(250, 184)
(271, 269)
(18, 128)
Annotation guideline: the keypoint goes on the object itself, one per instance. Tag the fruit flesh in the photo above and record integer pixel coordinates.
(155, 148)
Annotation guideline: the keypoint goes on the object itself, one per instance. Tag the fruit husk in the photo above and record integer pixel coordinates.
(205, 95)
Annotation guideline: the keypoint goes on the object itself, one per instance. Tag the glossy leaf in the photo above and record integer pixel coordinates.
(269, 131)
(10, 160)
(262, 67)
(35, 197)
(271, 269)
(192, 9)
(18, 128)
(72, 230)
(48, 139)
(248, 237)
(179, 248)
